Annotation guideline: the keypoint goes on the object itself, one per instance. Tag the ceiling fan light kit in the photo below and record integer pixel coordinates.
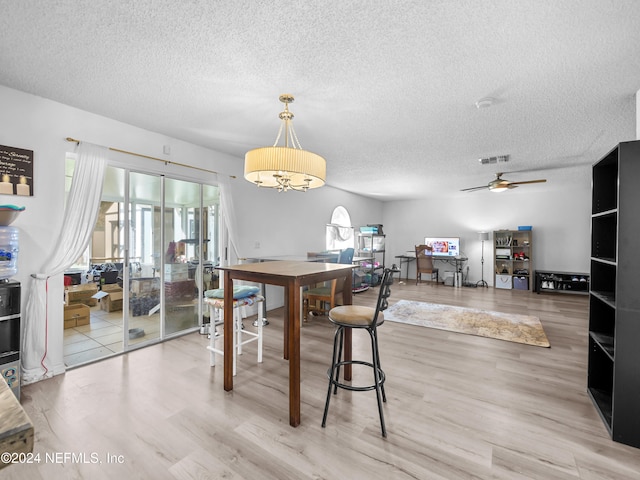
(500, 184)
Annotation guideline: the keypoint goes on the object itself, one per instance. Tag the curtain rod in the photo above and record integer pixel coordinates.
(166, 162)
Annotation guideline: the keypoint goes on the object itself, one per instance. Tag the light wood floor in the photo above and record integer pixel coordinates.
(459, 407)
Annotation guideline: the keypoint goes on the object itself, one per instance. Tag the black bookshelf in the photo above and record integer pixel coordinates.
(614, 302)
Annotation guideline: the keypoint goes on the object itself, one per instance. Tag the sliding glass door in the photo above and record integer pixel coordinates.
(191, 252)
(143, 259)
(172, 248)
(182, 247)
(152, 257)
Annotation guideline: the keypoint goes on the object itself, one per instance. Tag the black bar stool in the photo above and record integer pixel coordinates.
(369, 319)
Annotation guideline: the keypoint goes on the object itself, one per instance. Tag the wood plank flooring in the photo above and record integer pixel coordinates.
(459, 407)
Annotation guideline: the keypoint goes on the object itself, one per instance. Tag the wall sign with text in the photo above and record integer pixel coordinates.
(16, 171)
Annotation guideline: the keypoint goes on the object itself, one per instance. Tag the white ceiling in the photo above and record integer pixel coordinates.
(385, 89)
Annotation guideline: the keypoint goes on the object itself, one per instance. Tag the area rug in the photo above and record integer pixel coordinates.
(502, 326)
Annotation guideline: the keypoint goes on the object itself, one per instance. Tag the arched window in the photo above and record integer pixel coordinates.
(339, 230)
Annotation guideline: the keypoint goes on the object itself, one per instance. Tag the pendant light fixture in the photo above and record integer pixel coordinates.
(287, 167)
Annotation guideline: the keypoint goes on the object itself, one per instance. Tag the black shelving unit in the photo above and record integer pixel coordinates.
(561, 282)
(614, 302)
(372, 245)
(10, 334)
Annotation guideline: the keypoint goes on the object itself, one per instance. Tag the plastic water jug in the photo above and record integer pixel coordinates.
(8, 252)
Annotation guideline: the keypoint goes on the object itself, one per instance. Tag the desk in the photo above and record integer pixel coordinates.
(408, 258)
(457, 262)
(291, 275)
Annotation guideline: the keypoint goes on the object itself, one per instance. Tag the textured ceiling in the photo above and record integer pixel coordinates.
(385, 90)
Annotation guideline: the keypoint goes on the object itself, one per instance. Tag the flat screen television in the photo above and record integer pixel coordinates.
(444, 246)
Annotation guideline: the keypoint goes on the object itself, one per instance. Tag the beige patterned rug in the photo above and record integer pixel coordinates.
(502, 326)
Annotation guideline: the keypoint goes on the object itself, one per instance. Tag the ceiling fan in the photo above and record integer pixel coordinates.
(500, 184)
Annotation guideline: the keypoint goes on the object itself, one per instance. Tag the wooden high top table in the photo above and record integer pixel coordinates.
(291, 275)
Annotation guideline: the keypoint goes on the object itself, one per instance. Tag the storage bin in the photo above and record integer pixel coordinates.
(504, 281)
(108, 278)
(366, 244)
(520, 283)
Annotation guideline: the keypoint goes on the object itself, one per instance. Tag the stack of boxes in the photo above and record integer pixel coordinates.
(177, 285)
(77, 300)
(76, 315)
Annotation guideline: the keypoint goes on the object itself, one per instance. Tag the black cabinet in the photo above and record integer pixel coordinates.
(614, 301)
(10, 334)
(562, 282)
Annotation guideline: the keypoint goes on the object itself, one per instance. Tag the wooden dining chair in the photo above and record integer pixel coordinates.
(322, 298)
(424, 262)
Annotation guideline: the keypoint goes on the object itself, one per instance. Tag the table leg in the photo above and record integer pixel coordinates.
(286, 324)
(294, 353)
(228, 332)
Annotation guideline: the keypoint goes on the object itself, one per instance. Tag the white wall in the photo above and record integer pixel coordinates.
(293, 222)
(287, 223)
(560, 219)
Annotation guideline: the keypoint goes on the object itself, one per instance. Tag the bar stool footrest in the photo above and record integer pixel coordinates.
(354, 388)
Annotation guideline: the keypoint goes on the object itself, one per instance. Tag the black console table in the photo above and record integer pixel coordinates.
(563, 282)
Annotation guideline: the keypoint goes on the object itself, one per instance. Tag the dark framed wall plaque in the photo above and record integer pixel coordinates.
(16, 171)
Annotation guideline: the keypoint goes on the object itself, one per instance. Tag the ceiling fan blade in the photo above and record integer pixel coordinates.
(542, 180)
(473, 189)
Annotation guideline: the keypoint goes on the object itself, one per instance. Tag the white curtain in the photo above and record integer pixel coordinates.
(229, 217)
(80, 215)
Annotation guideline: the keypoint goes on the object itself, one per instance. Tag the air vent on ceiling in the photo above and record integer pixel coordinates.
(492, 160)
